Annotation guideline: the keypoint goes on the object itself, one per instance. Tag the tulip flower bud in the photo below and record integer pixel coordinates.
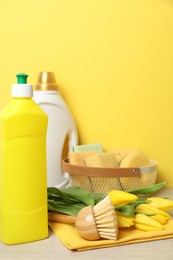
(160, 218)
(161, 203)
(123, 220)
(120, 198)
(149, 209)
(146, 223)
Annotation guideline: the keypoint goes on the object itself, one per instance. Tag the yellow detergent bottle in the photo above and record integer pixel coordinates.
(23, 185)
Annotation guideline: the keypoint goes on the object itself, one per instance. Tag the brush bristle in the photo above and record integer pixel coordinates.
(105, 218)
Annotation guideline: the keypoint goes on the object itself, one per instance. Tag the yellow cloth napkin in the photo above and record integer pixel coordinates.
(70, 238)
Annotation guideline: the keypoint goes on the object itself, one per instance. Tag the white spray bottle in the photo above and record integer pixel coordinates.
(61, 127)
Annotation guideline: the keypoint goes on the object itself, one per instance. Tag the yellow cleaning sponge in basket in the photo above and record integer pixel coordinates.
(88, 147)
(121, 153)
(78, 157)
(102, 160)
(136, 159)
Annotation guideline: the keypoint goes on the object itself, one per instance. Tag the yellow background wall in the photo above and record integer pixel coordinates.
(113, 62)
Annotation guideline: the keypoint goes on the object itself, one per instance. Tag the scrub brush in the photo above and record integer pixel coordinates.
(93, 223)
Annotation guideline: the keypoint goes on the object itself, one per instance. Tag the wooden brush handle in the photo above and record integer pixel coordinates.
(61, 218)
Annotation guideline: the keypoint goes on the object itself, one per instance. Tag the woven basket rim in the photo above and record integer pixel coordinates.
(107, 172)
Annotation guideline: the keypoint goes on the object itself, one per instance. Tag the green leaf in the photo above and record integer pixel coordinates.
(128, 210)
(139, 201)
(69, 209)
(57, 194)
(79, 194)
(149, 189)
(69, 200)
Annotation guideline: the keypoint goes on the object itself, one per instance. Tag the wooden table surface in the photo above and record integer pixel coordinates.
(52, 248)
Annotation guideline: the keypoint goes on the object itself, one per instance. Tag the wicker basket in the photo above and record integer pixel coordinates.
(103, 180)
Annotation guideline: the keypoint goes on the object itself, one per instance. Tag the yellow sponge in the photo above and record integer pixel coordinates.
(120, 153)
(77, 158)
(135, 159)
(102, 160)
(88, 147)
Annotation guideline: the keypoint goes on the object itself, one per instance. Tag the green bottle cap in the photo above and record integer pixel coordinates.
(21, 78)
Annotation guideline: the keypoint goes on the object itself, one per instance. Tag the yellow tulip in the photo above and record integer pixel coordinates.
(120, 198)
(160, 218)
(161, 203)
(123, 220)
(146, 223)
(149, 209)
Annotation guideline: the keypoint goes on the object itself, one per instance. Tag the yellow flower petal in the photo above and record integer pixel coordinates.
(123, 220)
(146, 223)
(149, 209)
(120, 198)
(161, 203)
